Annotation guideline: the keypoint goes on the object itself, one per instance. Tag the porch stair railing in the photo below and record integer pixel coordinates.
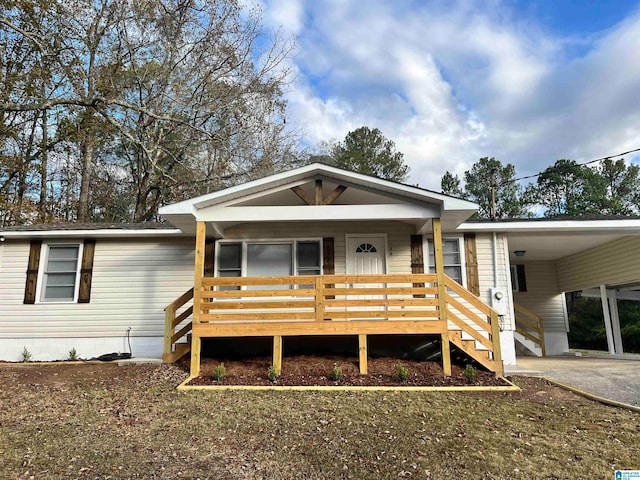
(337, 305)
(531, 327)
(476, 326)
(176, 313)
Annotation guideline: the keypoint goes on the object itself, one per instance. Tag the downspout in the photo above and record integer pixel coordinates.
(494, 246)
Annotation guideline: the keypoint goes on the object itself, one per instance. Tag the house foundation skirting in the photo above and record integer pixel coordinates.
(48, 349)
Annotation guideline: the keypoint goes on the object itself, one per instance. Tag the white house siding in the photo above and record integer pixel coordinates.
(501, 280)
(133, 280)
(612, 263)
(486, 277)
(398, 238)
(543, 298)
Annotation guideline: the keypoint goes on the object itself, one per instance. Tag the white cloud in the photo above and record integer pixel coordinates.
(450, 83)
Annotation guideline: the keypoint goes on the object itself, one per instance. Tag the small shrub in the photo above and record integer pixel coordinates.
(336, 373)
(402, 372)
(219, 373)
(26, 355)
(73, 355)
(272, 374)
(470, 373)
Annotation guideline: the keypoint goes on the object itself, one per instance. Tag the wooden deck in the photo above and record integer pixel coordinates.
(336, 305)
(330, 304)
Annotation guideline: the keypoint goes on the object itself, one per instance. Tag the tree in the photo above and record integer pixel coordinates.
(166, 99)
(485, 176)
(367, 151)
(569, 189)
(622, 183)
(450, 184)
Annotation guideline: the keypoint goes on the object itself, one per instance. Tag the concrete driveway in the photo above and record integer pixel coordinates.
(614, 379)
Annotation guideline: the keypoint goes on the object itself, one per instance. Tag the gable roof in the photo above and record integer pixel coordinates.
(317, 170)
(419, 202)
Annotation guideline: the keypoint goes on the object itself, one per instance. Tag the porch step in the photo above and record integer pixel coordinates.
(181, 349)
(528, 344)
(469, 348)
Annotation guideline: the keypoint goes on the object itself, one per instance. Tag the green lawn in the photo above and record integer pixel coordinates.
(104, 421)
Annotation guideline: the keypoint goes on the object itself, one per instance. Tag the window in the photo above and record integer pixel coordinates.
(268, 258)
(230, 262)
(308, 258)
(518, 278)
(60, 273)
(452, 259)
(366, 248)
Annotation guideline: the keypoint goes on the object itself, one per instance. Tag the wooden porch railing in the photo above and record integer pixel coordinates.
(347, 305)
(176, 313)
(318, 304)
(478, 320)
(530, 326)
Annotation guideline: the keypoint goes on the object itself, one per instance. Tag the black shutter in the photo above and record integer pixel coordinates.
(417, 260)
(209, 257)
(32, 272)
(86, 271)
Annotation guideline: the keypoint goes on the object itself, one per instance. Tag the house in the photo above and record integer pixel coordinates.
(312, 251)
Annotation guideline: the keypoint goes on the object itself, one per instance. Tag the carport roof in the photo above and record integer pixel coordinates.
(555, 238)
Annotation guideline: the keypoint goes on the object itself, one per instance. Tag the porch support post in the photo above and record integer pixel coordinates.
(607, 318)
(442, 299)
(277, 354)
(196, 343)
(615, 322)
(362, 347)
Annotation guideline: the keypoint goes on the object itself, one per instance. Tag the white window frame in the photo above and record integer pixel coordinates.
(513, 271)
(246, 241)
(461, 251)
(44, 260)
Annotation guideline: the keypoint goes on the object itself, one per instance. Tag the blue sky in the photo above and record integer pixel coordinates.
(527, 82)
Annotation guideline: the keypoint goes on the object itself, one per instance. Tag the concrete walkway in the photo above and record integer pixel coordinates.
(614, 379)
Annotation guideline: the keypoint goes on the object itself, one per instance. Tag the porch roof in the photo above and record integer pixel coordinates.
(387, 200)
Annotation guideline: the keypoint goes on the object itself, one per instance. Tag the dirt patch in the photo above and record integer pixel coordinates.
(88, 374)
(317, 371)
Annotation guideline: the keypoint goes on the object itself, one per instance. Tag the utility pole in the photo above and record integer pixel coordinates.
(492, 206)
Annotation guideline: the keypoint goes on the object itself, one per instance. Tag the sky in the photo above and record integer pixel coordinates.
(526, 82)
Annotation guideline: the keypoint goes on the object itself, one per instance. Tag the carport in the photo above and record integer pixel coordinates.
(596, 256)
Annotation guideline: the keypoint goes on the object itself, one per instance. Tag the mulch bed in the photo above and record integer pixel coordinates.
(316, 371)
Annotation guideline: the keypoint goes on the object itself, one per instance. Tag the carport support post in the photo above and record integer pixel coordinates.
(196, 343)
(615, 322)
(607, 318)
(442, 299)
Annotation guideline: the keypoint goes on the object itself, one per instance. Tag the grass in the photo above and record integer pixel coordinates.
(103, 421)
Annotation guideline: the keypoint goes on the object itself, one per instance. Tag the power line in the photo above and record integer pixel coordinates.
(609, 157)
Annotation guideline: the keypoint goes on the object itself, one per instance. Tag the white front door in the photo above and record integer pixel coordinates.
(366, 254)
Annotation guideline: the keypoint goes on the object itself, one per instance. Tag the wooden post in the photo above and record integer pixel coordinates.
(362, 347)
(277, 354)
(495, 339)
(318, 192)
(442, 296)
(446, 354)
(196, 343)
(169, 315)
(319, 298)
